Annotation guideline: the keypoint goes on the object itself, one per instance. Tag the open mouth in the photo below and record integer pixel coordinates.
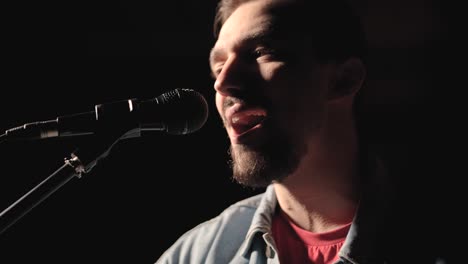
(245, 121)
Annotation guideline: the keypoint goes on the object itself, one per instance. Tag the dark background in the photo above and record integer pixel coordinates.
(65, 57)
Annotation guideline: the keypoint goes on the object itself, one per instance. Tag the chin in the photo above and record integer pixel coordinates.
(250, 167)
(260, 166)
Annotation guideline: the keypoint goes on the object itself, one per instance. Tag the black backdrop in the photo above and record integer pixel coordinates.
(63, 58)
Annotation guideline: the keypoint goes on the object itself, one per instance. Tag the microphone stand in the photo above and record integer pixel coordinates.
(80, 162)
(72, 167)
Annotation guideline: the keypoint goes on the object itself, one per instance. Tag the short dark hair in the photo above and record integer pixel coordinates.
(336, 28)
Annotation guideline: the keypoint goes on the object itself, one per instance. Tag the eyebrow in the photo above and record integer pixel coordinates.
(263, 36)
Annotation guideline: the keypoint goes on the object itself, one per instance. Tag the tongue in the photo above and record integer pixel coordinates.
(243, 123)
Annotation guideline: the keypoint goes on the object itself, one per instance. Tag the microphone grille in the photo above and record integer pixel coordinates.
(187, 108)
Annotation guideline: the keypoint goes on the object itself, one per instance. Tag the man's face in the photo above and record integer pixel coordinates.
(270, 92)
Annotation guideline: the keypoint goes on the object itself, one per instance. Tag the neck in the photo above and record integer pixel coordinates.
(322, 194)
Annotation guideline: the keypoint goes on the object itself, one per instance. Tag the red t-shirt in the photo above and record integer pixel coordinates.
(296, 245)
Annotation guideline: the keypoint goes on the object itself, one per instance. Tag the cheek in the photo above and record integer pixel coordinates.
(299, 101)
(271, 71)
(285, 87)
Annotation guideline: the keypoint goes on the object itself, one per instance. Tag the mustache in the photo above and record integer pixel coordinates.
(230, 101)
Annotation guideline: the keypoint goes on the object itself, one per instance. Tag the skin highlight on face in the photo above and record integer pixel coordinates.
(260, 73)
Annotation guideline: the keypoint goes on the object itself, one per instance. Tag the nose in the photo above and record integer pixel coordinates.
(232, 77)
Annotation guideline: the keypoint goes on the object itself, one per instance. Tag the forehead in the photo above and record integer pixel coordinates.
(261, 17)
(247, 19)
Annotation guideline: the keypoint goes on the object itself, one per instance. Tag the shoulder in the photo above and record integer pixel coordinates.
(218, 238)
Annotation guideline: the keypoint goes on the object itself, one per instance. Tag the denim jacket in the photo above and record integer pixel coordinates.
(242, 232)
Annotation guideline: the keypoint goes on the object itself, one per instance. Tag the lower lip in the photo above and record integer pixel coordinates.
(249, 137)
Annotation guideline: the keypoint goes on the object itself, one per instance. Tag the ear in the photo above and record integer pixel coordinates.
(348, 78)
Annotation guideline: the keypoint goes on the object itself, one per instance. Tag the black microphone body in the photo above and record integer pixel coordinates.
(177, 112)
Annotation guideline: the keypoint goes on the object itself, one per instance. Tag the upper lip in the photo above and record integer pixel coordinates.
(240, 107)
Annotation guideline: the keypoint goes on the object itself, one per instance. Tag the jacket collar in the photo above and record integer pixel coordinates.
(262, 219)
(362, 245)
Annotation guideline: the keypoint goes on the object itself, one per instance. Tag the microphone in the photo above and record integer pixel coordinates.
(177, 112)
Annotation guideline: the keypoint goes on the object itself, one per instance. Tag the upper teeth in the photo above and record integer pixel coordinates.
(248, 117)
(239, 118)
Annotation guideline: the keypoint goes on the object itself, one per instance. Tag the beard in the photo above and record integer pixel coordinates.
(270, 162)
(273, 159)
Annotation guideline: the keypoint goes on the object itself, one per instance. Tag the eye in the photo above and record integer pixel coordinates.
(216, 70)
(264, 53)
